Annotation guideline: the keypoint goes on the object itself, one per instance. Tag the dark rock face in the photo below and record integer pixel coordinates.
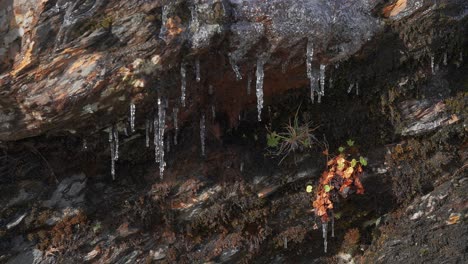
(77, 65)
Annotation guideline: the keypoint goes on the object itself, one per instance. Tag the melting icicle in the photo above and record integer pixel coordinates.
(202, 134)
(350, 88)
(235, 68)
(445, 59)
(85, 144)
(241, 167)
(168, 144)
(183, 83)
(125, 131)
(210, 89)
(162, 127)
(324, 233)
(116, 141)
(112, 150)
(285, 243)
(156, 137)
(333, 225)
(213, 112)
(176, 124)
(147, 131)
(132, 117)
(357, 88)
(259, 87)
(322, 79)
(197, 69)
(249, 83)
(313, 81)
(432, 64)
(309, 57)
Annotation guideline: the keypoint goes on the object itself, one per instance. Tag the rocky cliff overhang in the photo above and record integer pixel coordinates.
(78, 65)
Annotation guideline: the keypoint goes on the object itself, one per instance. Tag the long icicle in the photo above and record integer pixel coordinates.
(132, 117)
(202, 134)
(175, 113)
(259, 86)
(183, 83)
(112, 150)
(324, 234)
(147, 131)
(162, 127)
(197, 70)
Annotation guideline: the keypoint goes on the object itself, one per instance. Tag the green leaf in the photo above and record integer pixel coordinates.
(353, 163)
(327, 188)
(363, 161)
(341, 149)
(309, 188)
(273, 140)
(350, 143)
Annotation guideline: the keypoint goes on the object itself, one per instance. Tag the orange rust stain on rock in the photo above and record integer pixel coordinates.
(83, 62)
(394, 9)
(25, 62)
(173, 26)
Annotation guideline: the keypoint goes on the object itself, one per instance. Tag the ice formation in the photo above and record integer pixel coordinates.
(324, 234)
(202, 134)
(147, 131)
(235, 68)
(175, 113)
(259, 86)
(183, 84)
(132, 117)
(197, 70)
(432, 64)
(159, 137)
(249, 83)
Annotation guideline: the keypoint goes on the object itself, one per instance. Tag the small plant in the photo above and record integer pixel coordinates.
(296, 137)
(342, 176)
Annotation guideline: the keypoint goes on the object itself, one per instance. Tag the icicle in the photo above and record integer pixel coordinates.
(194, 23)
(330, 83)
(333, 224)
(176, 124)
(116, 141)
(210, 89)
(249, 83)
(183, 85)
(165, 11)
(241, 167)
(156, 137)
(85, 144)
(309, 57)
(324, 233)
(357, 88)
(350, 88)
(168, 144)
(112, 150)
(213, 112)
(125, 131)
(432, 64)
(259, 87)
(132, 117)
(147, 131)
(322, 79)
(197, 69)
(445, 59)
(202, 134)
(285, 243)
(162, 127)
(310, 74)
(235, 68)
